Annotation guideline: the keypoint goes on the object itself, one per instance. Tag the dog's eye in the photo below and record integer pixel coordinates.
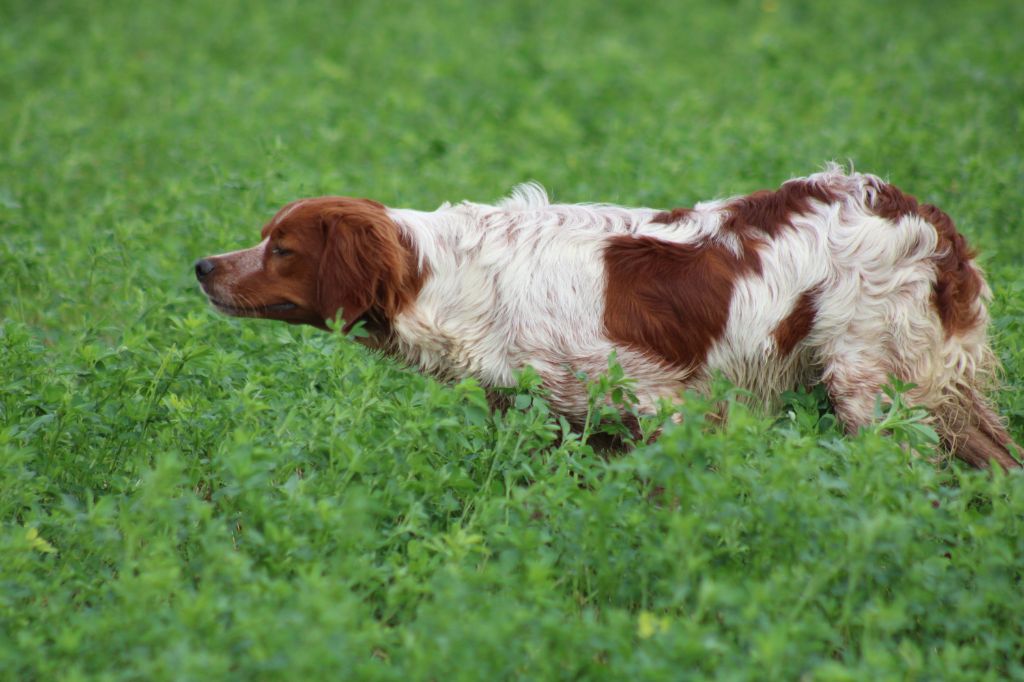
(278, 251)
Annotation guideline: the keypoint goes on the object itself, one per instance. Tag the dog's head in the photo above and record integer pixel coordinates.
(319, 258)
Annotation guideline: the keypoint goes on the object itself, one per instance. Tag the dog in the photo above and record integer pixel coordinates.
(838, 278)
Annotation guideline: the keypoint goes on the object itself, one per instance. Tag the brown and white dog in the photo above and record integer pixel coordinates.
(836, 278)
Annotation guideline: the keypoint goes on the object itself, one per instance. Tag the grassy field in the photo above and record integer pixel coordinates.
(185, 496)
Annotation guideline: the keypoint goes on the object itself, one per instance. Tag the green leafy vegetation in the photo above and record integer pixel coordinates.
(186, 496)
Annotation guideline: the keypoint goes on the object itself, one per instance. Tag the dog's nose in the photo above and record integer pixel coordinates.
(204, 266)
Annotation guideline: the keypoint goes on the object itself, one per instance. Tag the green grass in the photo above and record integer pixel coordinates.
(185, 496)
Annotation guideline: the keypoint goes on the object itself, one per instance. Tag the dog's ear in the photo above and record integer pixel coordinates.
(365, 267)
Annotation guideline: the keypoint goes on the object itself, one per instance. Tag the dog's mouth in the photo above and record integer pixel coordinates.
(250, 311)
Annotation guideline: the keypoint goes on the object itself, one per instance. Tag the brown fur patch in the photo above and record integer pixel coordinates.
(892, 203)
(674, 216)
(798, 324)
(958, 285)
(750, 244)
(750, 261)
(973, 432)
(769, 212)
(670, 300)
(980, 450)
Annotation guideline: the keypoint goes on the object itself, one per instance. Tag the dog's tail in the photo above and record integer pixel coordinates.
(967, 422)
(974, 433)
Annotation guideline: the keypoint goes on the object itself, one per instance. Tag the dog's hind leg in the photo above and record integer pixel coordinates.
(949, 378)
(854, 380)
